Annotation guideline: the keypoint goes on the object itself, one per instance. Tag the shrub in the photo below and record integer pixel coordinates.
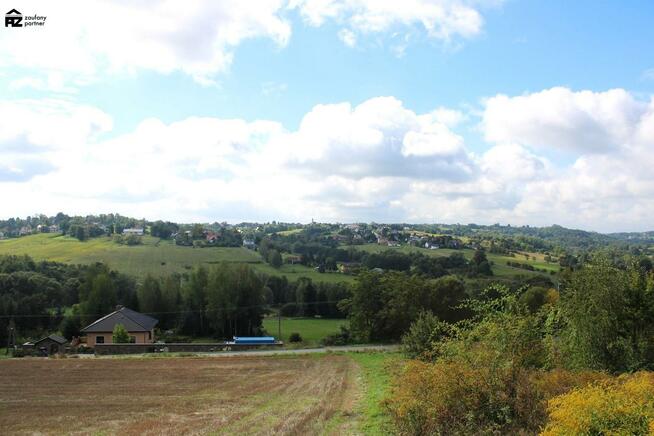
(84, 349)
(294, 337)
(120, 335)
(419, 341)
(623, 405)
(18, 352)
(344, 337)
(473, 398)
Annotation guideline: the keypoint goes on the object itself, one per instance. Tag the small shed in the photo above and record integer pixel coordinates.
(52, 344)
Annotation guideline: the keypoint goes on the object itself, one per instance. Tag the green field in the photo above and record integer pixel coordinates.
(312, 330)
(500, 268)
(155, 256)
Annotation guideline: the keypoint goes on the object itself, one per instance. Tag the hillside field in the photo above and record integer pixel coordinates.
(500, 268)
(155, 256)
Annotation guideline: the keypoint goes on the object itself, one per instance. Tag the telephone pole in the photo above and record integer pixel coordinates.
(279, 324)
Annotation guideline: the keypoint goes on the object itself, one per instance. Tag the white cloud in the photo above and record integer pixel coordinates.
(559, 118)
(374, 161)
(442, 20)
(89, 38)
(378, 138)
(269, 89)
(348, 37)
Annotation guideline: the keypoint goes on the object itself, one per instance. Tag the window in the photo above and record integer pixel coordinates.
(99, 339)
(132, 339)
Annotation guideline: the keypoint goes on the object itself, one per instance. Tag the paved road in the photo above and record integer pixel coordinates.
(346, 348)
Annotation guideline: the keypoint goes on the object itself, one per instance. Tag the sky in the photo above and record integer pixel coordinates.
(518, 112)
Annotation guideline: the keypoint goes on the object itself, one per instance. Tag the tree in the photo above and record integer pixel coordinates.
(101, 297)
(383, 306)
(275, 259)
(480, 264)
(235, 301)
(149, 296)
(120, 335)
(195, 302)
(609, 315)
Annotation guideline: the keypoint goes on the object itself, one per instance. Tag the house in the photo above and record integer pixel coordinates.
(249, 243)
(293, 259)
(53, 228)
(25, 230)
(348, 267)
(140, 327)
(49, 345)
(2, 235)
(134, 231)
(211, 237)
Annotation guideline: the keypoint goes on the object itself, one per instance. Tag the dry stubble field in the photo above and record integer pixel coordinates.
(238, 395)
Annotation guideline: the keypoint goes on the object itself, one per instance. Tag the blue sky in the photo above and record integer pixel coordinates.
(286, 63)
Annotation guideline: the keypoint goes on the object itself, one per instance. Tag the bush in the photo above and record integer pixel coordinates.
(84, 349)
(425, 331)
(623, 405)
(294, 338)
(18, 352)
(473, 398)
(344, 337)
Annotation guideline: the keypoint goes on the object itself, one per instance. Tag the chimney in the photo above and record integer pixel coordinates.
(119, 306)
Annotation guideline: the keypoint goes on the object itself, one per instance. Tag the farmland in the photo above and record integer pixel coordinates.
(154, 256)
(234, 395)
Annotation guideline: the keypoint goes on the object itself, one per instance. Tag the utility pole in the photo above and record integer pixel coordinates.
(279, 324)
(11, 335)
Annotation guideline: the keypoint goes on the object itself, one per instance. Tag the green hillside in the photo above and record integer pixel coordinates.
(500, 268)
(155, 256)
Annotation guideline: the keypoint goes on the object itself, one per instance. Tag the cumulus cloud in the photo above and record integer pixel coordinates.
(37, 136)
(89, 38)
(378, 138)
(442, 20)
(377, 160)
(559, 118)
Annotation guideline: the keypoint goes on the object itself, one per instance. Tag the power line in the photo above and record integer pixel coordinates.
(178, 311)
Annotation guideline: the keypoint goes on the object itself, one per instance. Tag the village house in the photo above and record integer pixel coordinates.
(25, 230)
(211, 237)
(140, 327)
(134, 231)
(293, 259)
(249, 243)
(348, 267)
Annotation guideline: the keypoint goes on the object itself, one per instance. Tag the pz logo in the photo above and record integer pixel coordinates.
(13, 18)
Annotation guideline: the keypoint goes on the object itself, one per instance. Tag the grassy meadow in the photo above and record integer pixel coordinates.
(154, 256)
(312, 330)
